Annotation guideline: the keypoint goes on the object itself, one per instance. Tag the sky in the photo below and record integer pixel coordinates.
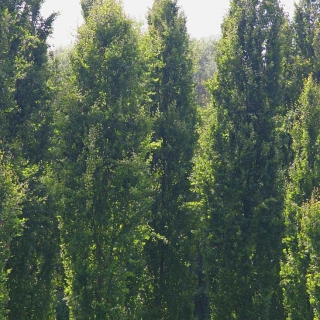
(204, 17)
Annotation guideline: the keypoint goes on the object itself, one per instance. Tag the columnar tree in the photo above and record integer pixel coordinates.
(24, 134)
(306, 37)
(299, 266)
(86, 6)
(170, 91)
(11, 197)
(310, 243)
(302, 120)
(103, 179)
(236, 172)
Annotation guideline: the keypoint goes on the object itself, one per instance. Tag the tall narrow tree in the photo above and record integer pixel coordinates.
(11, 198)
(170, 258)
(237, 170)
(297, 272)
(300, 185)
(103, 178)
(24, 134)
(306, 27)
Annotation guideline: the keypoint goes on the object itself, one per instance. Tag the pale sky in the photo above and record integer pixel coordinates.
(204, 17)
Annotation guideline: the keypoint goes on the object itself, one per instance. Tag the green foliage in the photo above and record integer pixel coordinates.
(26, 55)
(11, 197)
(304, 179)
(87, 5)
(310, 239)
(201, 184)
(111, 209)
(204, 52)
(236, 169)
(171, 104)
(34, 253)
(306, 27)
(298, 269)
(103, 181)
(7, 103)
(25, 119)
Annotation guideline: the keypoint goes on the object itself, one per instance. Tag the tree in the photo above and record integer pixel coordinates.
(24, 134)
(87, 5)
(237, 169)
(306, 27)
(300, 208)
(309, 240)
(171, 257)
(11, 197)
(301, 194)
(102, 178)
(204, 51)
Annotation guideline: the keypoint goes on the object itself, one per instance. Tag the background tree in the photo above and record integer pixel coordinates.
(171, 258)
(205, 67)
(236, 171)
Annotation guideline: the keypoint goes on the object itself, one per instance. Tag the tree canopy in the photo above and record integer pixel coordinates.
(147, 175)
